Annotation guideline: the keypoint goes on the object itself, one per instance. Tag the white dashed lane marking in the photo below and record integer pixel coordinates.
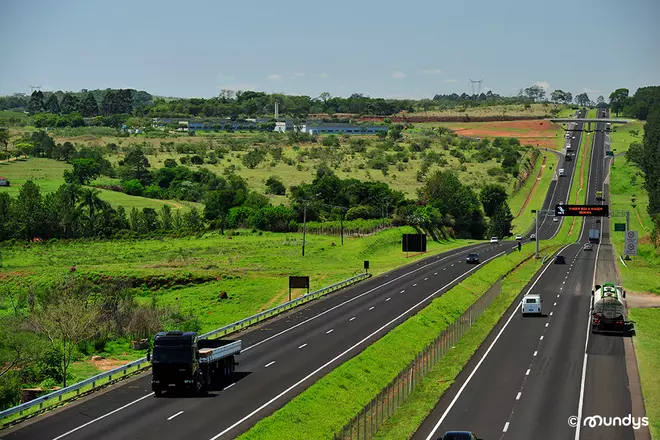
(269, 364)
(352, 318)
(304, 345)
(330, 331)
(177, 414)
(371, 308)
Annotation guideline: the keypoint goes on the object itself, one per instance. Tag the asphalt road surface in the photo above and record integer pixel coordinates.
(532, 378)
(280, 359)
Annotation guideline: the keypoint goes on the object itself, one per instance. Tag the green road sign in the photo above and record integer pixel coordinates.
(621, 227)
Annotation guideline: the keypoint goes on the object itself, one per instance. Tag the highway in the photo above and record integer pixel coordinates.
(532, 374)
(281, 358)
(559, 188)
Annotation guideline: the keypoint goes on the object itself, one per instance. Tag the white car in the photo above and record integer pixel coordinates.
(532, 237)
(494, 240)
(518, 237)
(555, 219)
(531, 304)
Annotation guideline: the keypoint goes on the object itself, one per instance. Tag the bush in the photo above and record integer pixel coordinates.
(133, 187)
(275, 186)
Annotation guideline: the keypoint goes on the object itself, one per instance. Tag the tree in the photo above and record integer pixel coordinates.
(70, 103)
(170, 163)
(558, 96)
(275, 186)
(69, 319)
(84, 170)
(88, 106)
(18, 347)
(36, 104)
(535, 92)
(29, 211)
(166, 218)
(500, 222)
(218, 204)
(491, 197)
(91, 201)
(582, 100)
(137, 163)
(618, 99)
(4, 139)
(52, 105)
(568, 98)
(600, 99)
(395, 132)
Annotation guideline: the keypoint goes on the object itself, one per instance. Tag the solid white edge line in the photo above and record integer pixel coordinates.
(103, 416)
(474, 371)
(348, 350)
(177, 414)
(229, 386)
(355, 297)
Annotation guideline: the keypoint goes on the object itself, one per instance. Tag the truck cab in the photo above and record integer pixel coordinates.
(531, 304)
(175, 361)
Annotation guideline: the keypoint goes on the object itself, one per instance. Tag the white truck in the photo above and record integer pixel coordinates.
(609, 310)
(531, 304)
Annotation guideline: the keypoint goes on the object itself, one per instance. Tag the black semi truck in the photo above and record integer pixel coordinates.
(183, 362)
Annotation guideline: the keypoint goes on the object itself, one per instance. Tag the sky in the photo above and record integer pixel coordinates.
(412, 49)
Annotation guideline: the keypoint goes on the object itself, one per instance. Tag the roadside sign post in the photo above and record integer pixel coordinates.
(631, 243)
(620, 227)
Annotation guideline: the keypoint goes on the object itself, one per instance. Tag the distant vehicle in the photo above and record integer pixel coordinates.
(588, 247)
(569, 157)
(599, 195)
(568, 146)
(4, 181)
(532, 237)
(472, 259)
(494, 240)
(594, 235)
(561, 172)
(519, 237)
(561, 202)
(568, 135)
(531, 304)
(559, 259)
(555, 219)
(182, 361)
(459, 435)
(609, 310)
(573, 137)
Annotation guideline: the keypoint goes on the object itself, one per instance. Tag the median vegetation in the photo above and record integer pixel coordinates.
(354, 383)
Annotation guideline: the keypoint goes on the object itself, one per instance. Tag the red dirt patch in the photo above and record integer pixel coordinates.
(539, 130)
(108, 364)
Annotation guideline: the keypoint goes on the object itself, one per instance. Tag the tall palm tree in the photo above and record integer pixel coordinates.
(92, 203)
(69, 197)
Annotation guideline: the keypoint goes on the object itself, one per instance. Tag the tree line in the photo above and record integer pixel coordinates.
(637, 106)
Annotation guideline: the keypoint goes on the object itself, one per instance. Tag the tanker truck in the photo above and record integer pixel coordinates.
(609, 310)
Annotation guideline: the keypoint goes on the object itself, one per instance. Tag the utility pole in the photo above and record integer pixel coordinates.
(341, 227)
(536, 211)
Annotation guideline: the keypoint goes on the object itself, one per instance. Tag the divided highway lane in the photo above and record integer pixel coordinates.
(606, 391)
(280, 359)
(531, 378)
(560, 187)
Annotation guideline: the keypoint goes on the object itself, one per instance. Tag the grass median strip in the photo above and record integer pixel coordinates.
(409, 416)
(354, 383)
(647, 350)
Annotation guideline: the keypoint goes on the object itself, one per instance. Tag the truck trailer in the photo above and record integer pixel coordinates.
(184, 362)
(609, 310)
(594, 235)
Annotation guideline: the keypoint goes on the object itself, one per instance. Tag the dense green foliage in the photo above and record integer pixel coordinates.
(638, 106)
(647, 157)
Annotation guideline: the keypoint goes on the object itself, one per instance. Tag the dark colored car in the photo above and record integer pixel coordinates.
(459, 435)
(560, 259)
(472, 259)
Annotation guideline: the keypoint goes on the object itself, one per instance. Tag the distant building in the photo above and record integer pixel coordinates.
(4, 181)
(330, 128)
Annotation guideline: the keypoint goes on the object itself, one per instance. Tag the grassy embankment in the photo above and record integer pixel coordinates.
(640, 274)
(358, 380)
(48, 174)
(626, 183)
(647, 350)
(190, 272)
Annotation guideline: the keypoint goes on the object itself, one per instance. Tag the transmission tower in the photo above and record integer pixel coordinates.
(476, 86)
(33, 88)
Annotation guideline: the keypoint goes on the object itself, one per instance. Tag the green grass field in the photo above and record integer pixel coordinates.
(526, 218)
(251, 268)
(647, 350)
(358, 380)
(48, 174)
(626, 183)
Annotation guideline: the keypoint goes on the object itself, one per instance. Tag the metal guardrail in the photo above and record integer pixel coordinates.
(545, 259)
(142, 363)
